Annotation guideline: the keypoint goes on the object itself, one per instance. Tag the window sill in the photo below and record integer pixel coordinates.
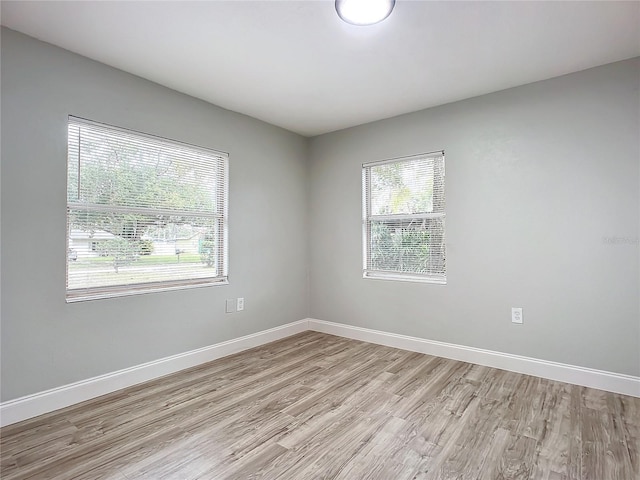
(398, 277)
(79, 296)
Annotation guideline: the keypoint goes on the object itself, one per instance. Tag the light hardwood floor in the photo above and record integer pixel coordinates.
(317, 406)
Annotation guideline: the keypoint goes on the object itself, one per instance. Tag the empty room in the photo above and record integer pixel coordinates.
(352, 239)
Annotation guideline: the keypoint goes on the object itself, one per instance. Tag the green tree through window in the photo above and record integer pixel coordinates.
(404, 218)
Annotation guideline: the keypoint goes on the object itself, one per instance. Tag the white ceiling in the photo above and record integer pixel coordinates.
(297, 65)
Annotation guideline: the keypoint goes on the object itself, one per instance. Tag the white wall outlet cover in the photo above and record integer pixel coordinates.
(516, 315)
(240, 304)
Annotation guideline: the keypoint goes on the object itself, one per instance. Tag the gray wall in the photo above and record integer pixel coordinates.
(47, 343)
(537, 178)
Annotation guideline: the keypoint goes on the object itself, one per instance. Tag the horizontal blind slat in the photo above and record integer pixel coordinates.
(409, 216)
(142, 210)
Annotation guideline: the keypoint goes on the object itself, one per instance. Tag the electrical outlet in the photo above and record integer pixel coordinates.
(516, 315)
(231, 305)
(240, 304)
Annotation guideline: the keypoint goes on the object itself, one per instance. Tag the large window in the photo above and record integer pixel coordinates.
(404, 219)
(143, 213)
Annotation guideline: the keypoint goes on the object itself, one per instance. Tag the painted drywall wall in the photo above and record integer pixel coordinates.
(542, 213)
(48, 343)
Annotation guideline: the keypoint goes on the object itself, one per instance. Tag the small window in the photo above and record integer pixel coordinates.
(404, 219)
(144, 213)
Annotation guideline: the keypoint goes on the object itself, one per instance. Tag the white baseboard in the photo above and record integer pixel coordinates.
(44, 402)
(587, 377)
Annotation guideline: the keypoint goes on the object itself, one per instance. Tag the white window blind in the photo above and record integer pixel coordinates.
(404, 219)
(143, 213)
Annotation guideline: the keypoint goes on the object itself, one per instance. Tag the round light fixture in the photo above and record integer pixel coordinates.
(364, 12)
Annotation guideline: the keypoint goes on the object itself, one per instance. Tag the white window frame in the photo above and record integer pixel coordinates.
(368, 217)
(222, 250)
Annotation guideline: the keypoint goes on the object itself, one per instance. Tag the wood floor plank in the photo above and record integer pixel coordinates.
(319, 406)
(463, 454)
(517, 460)
(555, 444)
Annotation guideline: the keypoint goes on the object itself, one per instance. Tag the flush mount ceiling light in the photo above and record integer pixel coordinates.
(364, 12)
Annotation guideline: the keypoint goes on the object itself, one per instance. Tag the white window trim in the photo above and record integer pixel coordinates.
(367, 217)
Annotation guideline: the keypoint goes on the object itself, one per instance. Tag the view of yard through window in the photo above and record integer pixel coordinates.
(142, 211)
(404, 218)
